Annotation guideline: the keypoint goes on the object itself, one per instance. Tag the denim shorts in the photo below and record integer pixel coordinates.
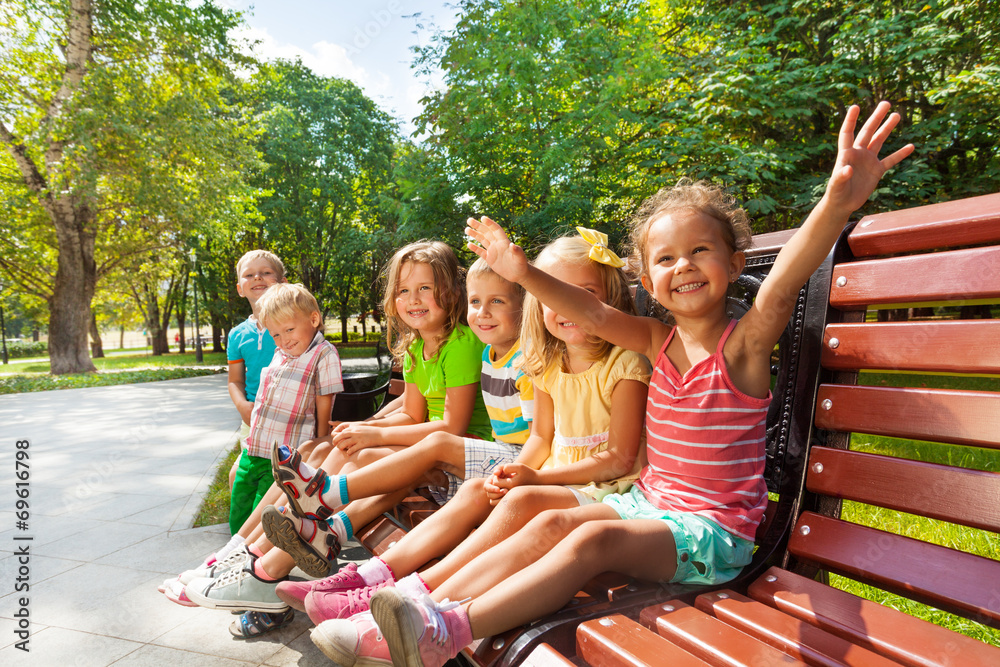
(706, 554)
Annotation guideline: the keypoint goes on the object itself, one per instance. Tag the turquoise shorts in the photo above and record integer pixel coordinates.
(706, 554)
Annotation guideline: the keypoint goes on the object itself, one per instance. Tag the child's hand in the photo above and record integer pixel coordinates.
(357, 436)
(504, 257)
(493, 491)
(510, 475)
(858, 167)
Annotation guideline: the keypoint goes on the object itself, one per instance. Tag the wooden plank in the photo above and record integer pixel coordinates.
(709, 638)
(770, 243)
(948, 579)
(892, 633)
(786, 633)
(940, 415)
(615, 641)
(955, 346)
(948, 493)
(962, 222)
(973, 276)
(546, 656)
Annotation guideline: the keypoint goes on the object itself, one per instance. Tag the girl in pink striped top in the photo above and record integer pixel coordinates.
(692, 515)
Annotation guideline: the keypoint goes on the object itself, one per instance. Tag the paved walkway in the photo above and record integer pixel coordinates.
(116, 476)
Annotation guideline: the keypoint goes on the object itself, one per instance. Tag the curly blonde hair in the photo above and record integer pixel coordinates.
(700, 196)
(449, 291)
(541, 348)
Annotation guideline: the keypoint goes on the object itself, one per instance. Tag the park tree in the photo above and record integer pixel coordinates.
(325, 149)
(114, 131)
(764, 87)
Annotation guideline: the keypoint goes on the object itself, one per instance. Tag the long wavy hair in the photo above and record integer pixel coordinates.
(541, 349)
(449, 291)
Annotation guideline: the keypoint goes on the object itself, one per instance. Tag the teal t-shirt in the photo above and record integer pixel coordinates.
(457, 363)
(255, 348)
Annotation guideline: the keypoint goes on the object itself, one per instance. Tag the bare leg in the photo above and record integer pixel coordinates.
(639, 548)
(408, 466)
(440, 533)
(517, 508)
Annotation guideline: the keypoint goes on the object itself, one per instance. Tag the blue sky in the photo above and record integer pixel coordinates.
(366, 41)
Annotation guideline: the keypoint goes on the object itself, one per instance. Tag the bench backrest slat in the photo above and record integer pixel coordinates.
(950, 346)
(963, 277)
(951, 416)
(876, 381)
(947, 493)
(970, 585)
(945, 225)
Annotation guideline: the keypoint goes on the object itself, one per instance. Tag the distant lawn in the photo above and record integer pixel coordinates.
(118, 369)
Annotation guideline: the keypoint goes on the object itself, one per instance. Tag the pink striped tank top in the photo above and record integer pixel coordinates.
(705, 443)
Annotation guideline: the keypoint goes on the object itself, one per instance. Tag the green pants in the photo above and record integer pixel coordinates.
(253, 479)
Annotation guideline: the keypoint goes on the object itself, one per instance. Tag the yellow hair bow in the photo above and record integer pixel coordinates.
(599, 250)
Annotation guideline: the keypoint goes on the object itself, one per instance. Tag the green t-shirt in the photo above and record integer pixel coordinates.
(457, 363)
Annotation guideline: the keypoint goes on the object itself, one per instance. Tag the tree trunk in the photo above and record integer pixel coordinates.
(181, 342)
(76, 279)
(343, 327)
(96, 344)
(121, 337)
(216, 337)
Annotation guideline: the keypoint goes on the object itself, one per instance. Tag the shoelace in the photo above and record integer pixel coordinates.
(238, 558)
(435, 616)
(337, 580)
(356, 596)
(236, 575)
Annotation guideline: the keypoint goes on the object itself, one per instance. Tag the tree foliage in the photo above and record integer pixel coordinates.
(110, 117)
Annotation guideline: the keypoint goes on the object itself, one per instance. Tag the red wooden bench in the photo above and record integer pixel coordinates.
(946, 256)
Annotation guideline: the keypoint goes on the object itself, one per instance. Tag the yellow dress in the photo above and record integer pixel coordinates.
(582, 414)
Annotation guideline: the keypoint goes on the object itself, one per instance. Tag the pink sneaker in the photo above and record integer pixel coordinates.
(294, 592)
(352, 642)
(322, 606)
(420, 633)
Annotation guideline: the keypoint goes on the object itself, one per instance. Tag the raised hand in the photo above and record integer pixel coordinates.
(858, 167)
(504, 257)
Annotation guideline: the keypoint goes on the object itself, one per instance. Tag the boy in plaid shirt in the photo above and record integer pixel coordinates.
(296, 390)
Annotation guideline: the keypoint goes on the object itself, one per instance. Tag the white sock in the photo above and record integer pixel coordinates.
(337, 525)
(374, 571)
(413, 586)
(234, 541)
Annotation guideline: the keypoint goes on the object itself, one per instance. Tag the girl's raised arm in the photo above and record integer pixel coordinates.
(854, 178)
(639, 334)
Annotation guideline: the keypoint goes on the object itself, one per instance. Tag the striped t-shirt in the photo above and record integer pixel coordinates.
(508, 394)
(705, 443)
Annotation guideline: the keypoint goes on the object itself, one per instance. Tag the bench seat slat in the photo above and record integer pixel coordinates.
(795, 637)
(616, 640)
(546, 656)
(941, 577)
(709, 638)
(954, 346)
(962, 222)
(892, 633)
(973, 276)
(948, 493)
(940, 415)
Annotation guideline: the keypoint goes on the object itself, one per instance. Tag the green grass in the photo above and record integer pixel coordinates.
(215, 507)
(980, 542)
(123, 369)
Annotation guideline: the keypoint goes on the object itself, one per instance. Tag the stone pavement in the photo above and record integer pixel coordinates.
(116, 476)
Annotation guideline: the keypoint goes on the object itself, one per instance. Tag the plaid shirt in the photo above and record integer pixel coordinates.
(285, 409)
